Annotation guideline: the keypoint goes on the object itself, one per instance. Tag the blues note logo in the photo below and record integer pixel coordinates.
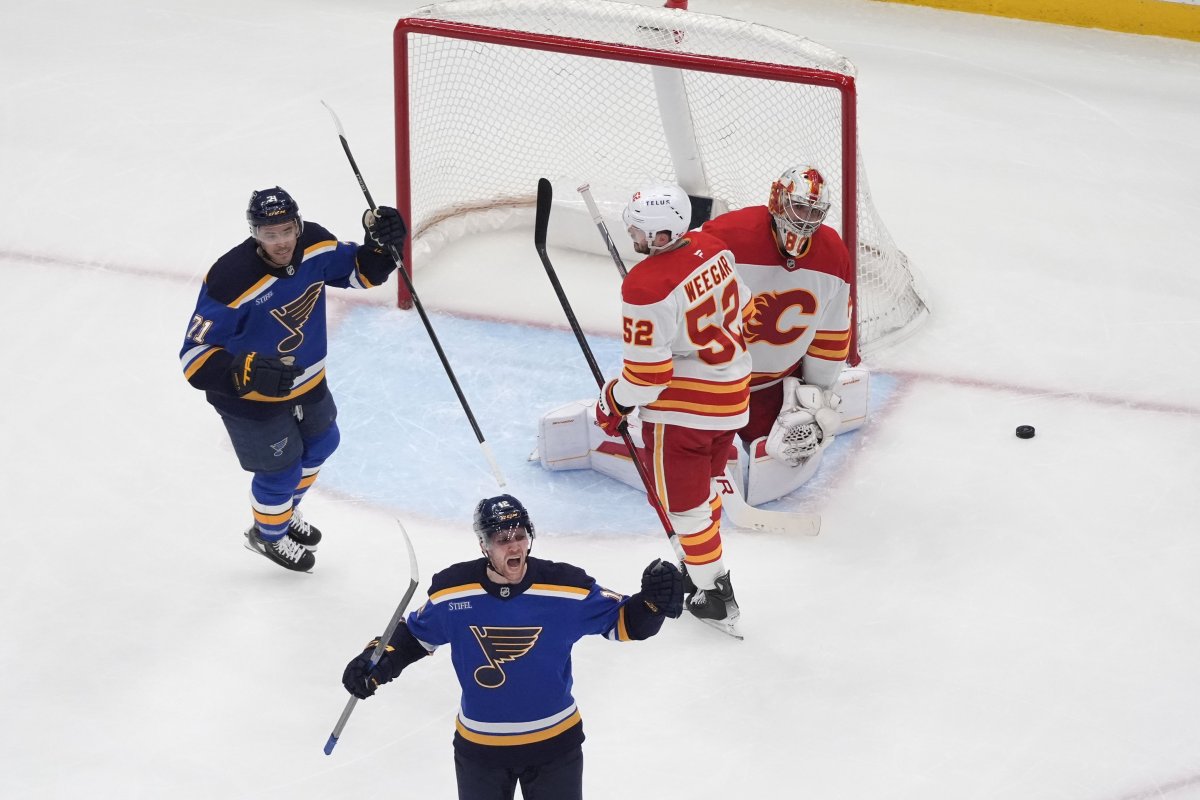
(500, 646)
(294, 316)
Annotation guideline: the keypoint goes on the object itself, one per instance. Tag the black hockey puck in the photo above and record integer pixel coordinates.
(1025, 431)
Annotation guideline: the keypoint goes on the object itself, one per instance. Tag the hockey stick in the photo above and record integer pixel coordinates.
(744, 515)
(545, 197)
(404, 276)
(383, 640)
(594, 210)
(741, 513)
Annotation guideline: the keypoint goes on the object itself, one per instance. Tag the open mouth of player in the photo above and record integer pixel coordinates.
(513, 563)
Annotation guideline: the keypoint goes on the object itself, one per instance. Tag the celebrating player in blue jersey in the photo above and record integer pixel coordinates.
(511, 621)
(256, 345)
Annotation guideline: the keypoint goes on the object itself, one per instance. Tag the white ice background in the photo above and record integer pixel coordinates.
(982, 617)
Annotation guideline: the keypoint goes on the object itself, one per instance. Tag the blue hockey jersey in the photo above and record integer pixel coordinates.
(511, 648)
(248, 305)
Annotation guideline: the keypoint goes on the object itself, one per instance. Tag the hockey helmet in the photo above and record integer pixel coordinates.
(271, 207)
(798, 204)
(500, 513)
(657, 208)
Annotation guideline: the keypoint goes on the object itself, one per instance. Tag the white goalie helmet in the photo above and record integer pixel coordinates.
(662, 207)
(798, 205)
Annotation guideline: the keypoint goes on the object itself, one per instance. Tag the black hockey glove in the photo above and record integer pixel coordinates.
(361, 680)
(662, 588)
(272, 377)
(385, 227)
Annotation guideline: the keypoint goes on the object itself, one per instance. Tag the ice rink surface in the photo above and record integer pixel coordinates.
(982, 617)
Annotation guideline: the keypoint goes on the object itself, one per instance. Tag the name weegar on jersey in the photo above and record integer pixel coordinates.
(684, 359)
(247, 305)
(511, 649)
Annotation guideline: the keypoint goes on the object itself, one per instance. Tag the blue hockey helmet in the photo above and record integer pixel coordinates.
(495, 514)
(271, 207)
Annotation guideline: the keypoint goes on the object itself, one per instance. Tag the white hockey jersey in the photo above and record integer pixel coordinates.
(800, 307)
(685, 362)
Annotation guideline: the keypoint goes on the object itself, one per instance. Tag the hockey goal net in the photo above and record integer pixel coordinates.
(491, 96)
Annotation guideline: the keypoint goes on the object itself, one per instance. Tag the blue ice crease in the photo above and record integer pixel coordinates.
(407, 444)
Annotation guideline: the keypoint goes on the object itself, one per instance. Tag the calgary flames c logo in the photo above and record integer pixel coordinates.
(762, 319)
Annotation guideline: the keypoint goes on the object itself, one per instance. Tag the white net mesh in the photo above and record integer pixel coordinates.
(485, 120)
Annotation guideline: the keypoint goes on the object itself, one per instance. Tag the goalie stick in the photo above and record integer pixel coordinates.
(393, 623)
(404, 276)
(741, 514)
(545, 197)
(744, 515)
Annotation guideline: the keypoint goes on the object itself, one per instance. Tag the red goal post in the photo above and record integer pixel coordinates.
(492, 95)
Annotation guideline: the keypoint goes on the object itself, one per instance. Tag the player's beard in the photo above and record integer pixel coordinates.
(279, 256)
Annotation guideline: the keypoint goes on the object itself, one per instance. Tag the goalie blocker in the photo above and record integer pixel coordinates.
(567, 439)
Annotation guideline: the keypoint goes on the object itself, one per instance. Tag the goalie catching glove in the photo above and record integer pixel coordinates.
(807, 422)
(610, 415)
(385, 227)
(270, 377)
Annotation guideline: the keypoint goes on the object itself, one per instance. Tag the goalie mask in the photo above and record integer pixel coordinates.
(657, 209)
(798, 206)
(272, 207)
(502, 513)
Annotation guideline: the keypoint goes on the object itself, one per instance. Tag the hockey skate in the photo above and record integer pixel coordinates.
(717, 607)
(303, 533)
(286, 552)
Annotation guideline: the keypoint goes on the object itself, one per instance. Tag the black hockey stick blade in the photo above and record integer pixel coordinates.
(541, 222)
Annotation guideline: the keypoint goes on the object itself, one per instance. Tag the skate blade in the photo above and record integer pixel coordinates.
(727, 628)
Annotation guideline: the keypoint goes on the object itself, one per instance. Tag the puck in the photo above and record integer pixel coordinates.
(1025, 431)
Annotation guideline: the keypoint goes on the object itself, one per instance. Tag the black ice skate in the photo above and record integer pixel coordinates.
(286, 552)
(308, 536)
(717, 607)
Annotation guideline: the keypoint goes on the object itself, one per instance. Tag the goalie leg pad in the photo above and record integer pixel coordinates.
(564, 436)
(769, 479)
(609, 455)
(568, 439)
(853, 386)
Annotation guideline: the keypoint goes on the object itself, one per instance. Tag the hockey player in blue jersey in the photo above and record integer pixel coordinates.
(256, 345)
(511, 621)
